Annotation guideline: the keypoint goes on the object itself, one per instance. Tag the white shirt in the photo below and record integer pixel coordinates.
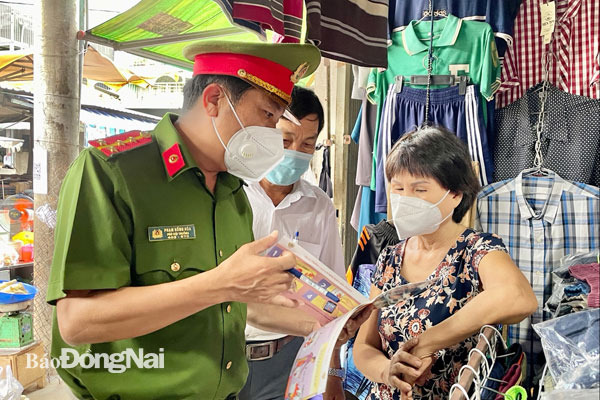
(306, 210)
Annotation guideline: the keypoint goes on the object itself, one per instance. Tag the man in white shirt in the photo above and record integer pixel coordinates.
(285, 202)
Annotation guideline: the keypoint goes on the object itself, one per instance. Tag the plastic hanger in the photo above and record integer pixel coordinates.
(421, 80)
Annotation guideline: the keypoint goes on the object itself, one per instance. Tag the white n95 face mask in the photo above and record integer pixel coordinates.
(414, 216)
(253, 151)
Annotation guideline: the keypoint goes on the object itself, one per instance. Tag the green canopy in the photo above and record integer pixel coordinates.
(160, 29)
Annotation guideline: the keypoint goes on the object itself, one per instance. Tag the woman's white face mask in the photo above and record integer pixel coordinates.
(253, 151)
(413, 216)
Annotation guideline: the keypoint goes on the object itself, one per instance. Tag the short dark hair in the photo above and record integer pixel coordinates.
(436, 153)
(194, 87)
(306, 102)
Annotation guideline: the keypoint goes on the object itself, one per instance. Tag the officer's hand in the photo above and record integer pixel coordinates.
(253, 278)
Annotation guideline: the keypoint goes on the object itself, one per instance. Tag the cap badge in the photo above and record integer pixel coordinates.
(299, 73)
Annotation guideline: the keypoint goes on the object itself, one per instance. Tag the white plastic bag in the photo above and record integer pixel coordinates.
(10, 387)
(572, 349)
(572, 394)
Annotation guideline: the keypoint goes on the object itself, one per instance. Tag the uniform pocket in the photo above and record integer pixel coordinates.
(170, 260)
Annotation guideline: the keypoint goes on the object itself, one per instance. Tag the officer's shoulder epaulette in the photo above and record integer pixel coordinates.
(122, 142)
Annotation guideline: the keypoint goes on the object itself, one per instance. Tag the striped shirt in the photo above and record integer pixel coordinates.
(281, 16)
(227, 8)
(352, 31)
(540, 219)
(575, 63)
(284, 17)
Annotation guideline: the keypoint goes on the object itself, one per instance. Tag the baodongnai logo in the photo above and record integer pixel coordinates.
(115, 363)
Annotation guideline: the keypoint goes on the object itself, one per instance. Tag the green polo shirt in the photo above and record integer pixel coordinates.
(456, 43)
(102, 241)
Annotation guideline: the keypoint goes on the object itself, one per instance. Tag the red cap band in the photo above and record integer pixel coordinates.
(231, 64)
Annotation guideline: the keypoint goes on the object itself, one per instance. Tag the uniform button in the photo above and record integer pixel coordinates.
(175, 267)
(229, 364)
(220, 253)
(228, 308)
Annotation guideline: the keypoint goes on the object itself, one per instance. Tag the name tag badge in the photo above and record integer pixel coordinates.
(175, 232)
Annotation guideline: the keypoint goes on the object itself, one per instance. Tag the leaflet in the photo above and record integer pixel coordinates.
(326, 295)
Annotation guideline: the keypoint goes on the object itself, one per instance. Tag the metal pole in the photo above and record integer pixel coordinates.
(345, 155)
(56, 126)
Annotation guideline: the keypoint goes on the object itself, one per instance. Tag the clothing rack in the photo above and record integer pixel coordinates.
(478, 368)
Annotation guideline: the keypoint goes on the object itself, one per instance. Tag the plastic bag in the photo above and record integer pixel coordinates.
(8, 255)
(574, 259)
(10, 387)
(572, 349)
(561, 277)
(576, 394)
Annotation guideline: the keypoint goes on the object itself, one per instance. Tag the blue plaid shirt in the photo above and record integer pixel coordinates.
(540, 219)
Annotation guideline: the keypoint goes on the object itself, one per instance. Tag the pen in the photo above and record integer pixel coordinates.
(313, 284)
(295, 240)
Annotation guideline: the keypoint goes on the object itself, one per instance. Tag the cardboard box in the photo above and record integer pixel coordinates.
(17, 359)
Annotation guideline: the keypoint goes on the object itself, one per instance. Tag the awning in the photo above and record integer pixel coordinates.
(160, 29)
(17, 107)
(101, 121)
(16, 67)
(96, 67)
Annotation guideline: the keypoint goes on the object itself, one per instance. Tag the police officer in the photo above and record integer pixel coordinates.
(154, 253)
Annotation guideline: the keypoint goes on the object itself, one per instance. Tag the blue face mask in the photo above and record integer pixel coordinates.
(290, 169)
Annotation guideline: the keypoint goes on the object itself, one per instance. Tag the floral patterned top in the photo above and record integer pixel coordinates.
(456, 282)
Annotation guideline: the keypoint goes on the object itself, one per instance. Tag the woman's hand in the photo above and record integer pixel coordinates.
(335, 389)
(406, 369)
(403, 369)
(352, 326)
(428, 359)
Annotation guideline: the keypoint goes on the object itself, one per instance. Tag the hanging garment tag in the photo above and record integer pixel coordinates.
(548, 14)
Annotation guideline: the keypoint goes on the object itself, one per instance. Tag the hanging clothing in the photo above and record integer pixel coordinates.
(366, 208)
(403, 112)
(570, 139)
(541, 219)
(359, 83)
(227, 7)
(325, 178)
(465, 45)
(575, 65)
(499, 14)
(283, 17)
(351, 31)
(372, 240)
(368, 123)
(456, 282)
(355, 135)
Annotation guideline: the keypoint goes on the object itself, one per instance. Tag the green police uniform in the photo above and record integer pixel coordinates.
(114, 215)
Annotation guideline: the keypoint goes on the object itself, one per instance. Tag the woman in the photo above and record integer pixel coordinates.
(415, 349)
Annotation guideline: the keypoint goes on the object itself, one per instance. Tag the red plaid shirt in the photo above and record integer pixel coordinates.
(575, 45)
